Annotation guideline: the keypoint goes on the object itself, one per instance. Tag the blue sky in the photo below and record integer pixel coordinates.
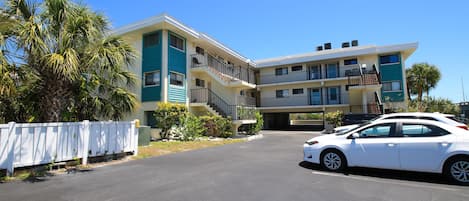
(268, 28)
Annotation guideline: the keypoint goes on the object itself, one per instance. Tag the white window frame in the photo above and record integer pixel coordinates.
(178, 37)
(152, 72)
(177, 73)
(284, 71)
(392, 86)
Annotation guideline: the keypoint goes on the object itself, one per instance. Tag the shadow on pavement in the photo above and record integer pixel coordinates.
(385, 174)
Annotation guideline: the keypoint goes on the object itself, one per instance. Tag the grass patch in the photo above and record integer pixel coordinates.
(161, 148)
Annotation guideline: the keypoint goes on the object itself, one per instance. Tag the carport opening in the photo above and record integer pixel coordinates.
(310, 121)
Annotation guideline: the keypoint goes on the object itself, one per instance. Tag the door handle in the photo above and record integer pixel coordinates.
(444, 144)
(391, 144)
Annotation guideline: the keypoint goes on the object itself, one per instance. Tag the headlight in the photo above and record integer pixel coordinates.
(311, 142)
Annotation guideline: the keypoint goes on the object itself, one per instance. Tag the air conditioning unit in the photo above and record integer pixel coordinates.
(354, 43)
(327, 46)
(319, 48)
(345, 44)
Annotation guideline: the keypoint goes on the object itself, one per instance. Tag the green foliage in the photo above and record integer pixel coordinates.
(305, 116)
(334, 118)
(192, 128)
(431, 104)
(422, 77)
(58, 62)
(256, 127)
(168, 115)
(217, 126)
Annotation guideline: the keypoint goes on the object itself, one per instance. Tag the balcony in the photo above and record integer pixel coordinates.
(225, 72)
(304, 100)
(367, 79)
(211, 100)
(298, 76)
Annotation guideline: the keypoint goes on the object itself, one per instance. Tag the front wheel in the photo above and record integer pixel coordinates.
(458, 170)
(333, 160)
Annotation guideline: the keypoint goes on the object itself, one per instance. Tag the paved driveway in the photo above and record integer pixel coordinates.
(265, 169)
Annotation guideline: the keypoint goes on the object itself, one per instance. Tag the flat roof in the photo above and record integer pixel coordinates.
(407, 48)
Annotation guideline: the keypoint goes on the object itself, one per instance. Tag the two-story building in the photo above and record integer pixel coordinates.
(179, 64)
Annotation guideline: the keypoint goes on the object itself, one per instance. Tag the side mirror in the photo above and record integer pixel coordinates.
(353, 136)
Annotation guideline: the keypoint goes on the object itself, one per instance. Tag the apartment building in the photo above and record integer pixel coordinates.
(356, 79)
(179, 64)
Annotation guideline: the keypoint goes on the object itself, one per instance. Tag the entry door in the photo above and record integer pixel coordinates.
(316, 96)
(333, 96)
(332, 71)
(423, 147)
(376, 147)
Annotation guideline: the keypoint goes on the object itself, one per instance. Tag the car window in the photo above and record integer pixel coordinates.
(380, 130)
(421, 130)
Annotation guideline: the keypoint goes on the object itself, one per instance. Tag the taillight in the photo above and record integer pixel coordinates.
(463, 127)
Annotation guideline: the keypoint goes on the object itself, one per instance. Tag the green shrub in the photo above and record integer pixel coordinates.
(168, 115)
(193, 127)
(216, 126)
(256, 127)
(334, 118)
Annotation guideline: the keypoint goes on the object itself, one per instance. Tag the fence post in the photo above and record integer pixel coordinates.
(11, 148)
(86, 141)
(134, 134)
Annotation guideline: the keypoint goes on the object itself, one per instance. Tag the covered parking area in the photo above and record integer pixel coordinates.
(293, 118)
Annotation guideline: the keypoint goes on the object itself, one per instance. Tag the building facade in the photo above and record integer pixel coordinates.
(178, 64)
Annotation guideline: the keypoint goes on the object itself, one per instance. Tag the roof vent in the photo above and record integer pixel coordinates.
(327, 46)
(354, 43)
(345, 44)
(319, 48)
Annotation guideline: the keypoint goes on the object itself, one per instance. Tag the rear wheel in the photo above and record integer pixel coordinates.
(333, 160)
(457, 169)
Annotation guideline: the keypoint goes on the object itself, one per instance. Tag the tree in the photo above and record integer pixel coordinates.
(432, 104)
(422, 77)
(80, 67)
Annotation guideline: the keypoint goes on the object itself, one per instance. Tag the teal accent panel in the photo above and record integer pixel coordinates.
(177, 94)
(176, 57)
(392, 72)
(151, 61)
(176, 63)
(393, 96)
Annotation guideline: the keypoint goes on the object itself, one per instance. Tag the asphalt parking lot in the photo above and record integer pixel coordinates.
(266, 169)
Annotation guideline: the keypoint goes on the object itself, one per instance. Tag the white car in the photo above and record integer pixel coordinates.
(445, 118)
(400, 144)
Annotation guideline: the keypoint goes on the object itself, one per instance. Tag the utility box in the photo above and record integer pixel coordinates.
(144, 136)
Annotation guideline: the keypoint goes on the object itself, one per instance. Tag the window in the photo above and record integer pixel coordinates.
(298, 91)
(421, 130)
(350, 61)
(176, 79)
(199, 82)
(296, 68)
(380, 130)
(333, 95)
(151, 39)
(281, 93)
(387, 59)
(332, 71)
(316, 97)
(176, 42)
(392, 86)
(281, 71)
(152, 78)
(315, 72)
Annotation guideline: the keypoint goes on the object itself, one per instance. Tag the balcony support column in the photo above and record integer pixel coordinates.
(364, 102)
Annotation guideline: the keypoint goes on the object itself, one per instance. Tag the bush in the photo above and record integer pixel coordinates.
(216, 126)
(256, 127)
(193, 127)
(168, 115)
(334, 118)
(430, 104)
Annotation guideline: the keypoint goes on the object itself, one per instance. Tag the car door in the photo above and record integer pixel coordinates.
(422, 147)
(375, 147)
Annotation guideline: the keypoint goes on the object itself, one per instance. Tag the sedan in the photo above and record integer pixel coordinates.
(400, 144)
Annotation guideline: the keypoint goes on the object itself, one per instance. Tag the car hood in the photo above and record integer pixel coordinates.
(324, 137)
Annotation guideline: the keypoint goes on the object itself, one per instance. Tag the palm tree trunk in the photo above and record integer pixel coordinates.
(55, 98)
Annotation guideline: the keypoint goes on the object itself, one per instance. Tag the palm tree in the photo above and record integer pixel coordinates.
(68, 46)
(422, 77)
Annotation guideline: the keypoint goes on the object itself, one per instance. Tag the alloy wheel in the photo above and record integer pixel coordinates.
(332, 161)
(460, 171)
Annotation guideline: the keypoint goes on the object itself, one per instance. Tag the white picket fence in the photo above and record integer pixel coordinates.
(42, 143)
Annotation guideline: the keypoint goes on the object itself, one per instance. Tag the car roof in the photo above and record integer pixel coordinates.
(418, 121)
(418, 114)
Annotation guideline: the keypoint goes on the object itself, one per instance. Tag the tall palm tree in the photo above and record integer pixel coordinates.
(67, 44)
(422, 77)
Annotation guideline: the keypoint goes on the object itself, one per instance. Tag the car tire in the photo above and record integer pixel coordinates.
(457, 170)
(333, 160)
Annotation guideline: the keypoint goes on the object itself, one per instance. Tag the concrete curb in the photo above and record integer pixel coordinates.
(255, 137)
